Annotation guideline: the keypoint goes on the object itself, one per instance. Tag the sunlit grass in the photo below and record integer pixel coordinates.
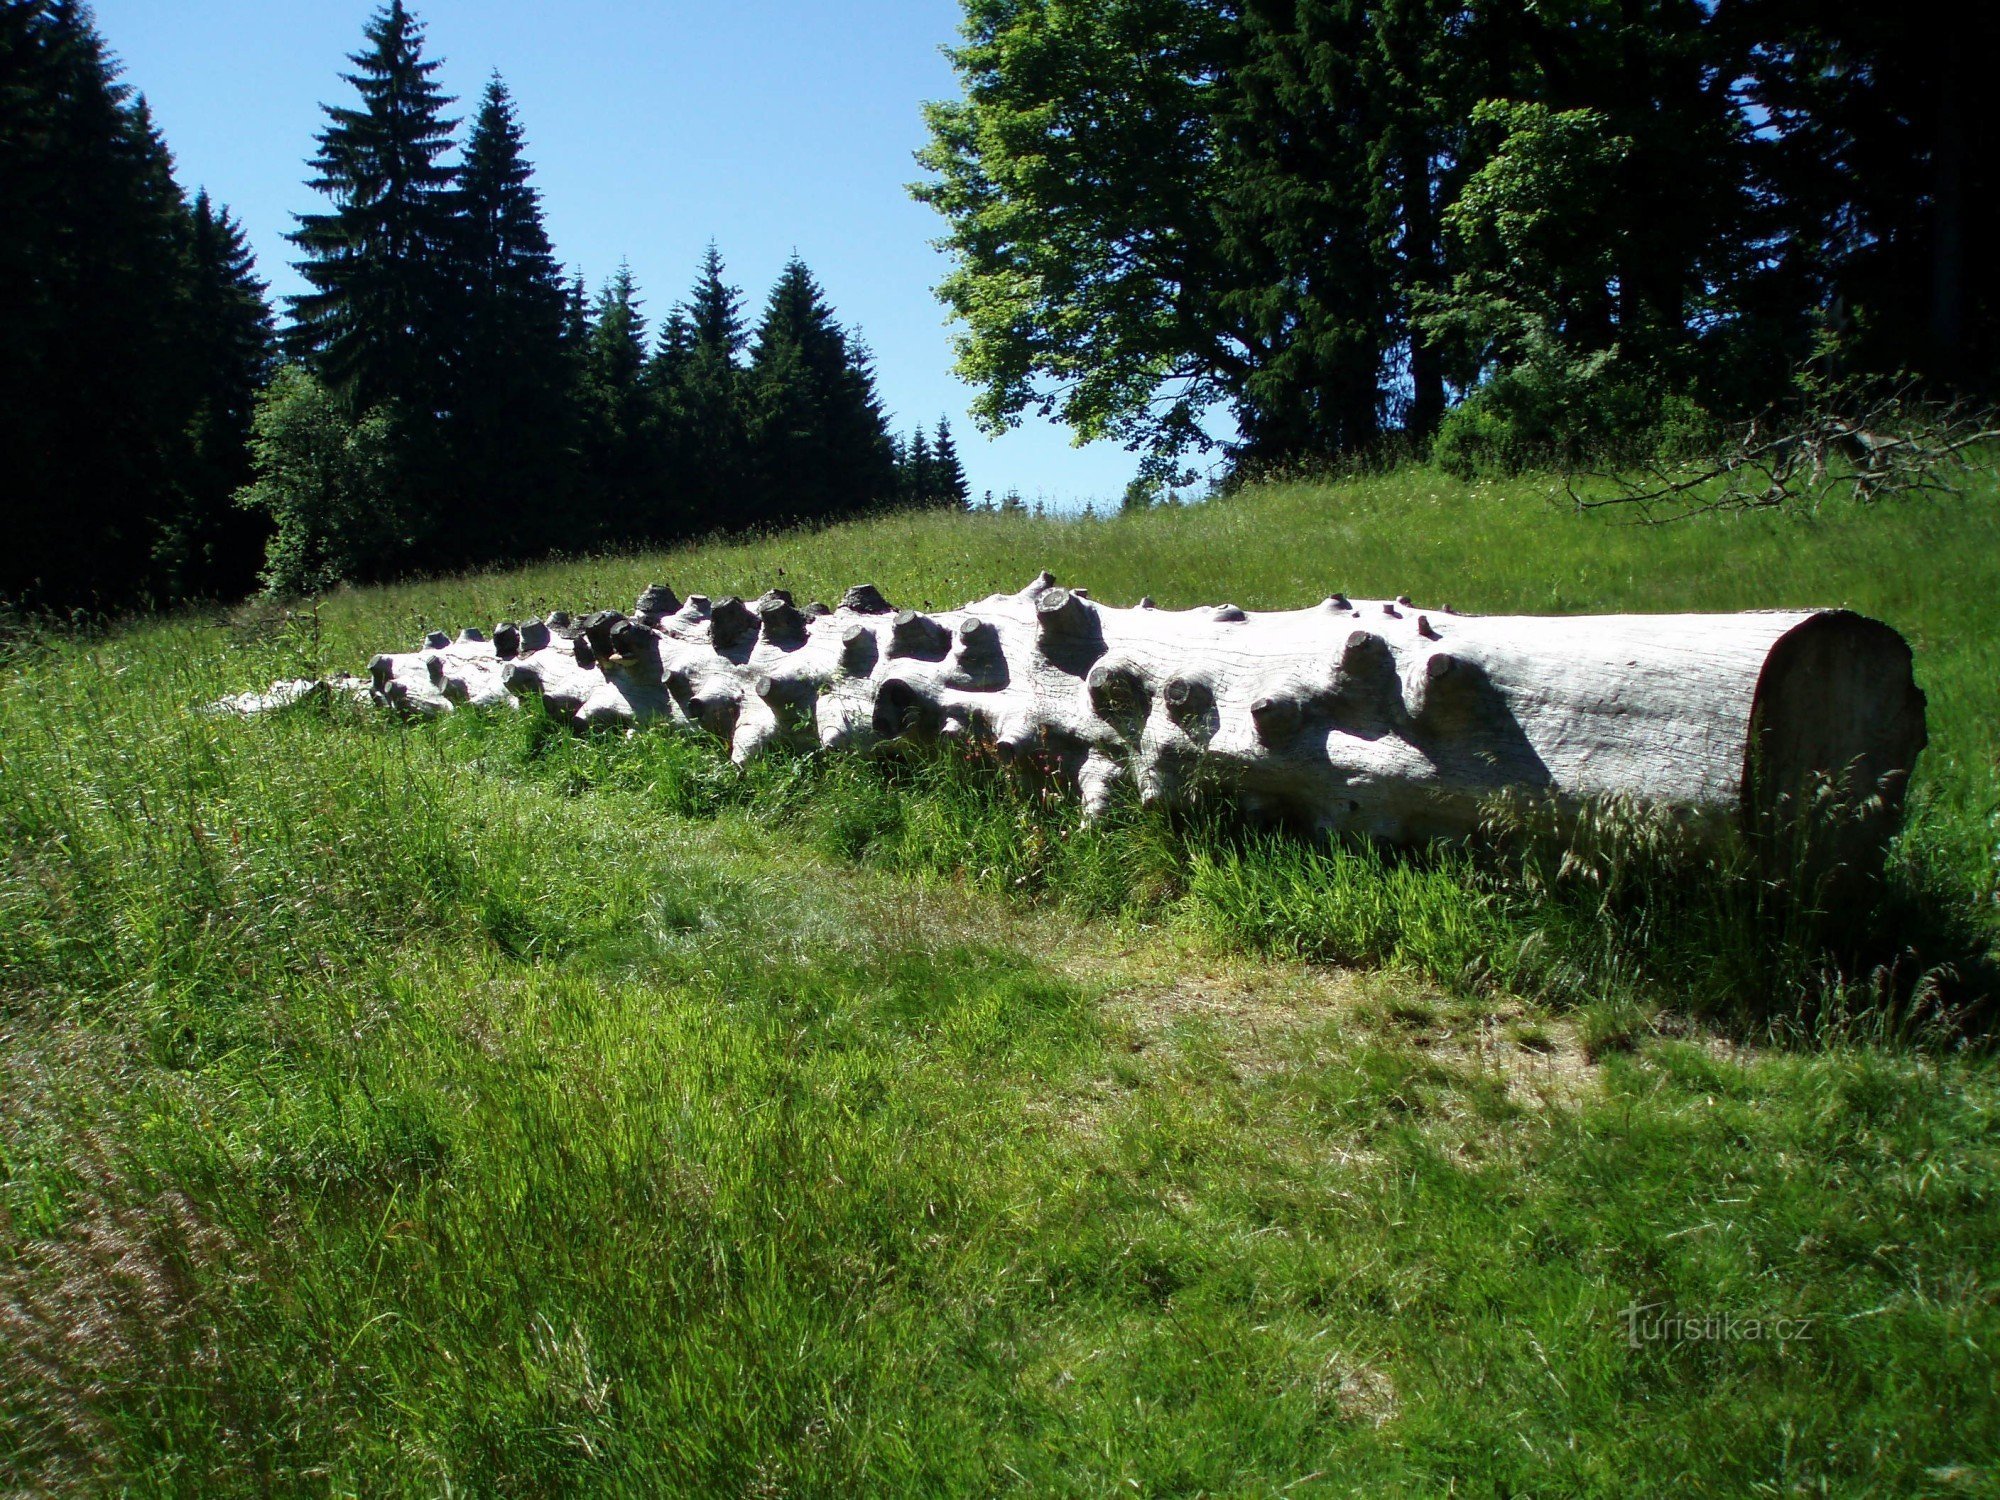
(470, 1107)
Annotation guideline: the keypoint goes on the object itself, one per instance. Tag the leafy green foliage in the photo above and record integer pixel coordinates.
(1075, 177)
(1327, 217)
(328, 481)
(1552, 406)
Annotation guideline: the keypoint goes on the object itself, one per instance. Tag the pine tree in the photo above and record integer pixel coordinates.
(212, 545)
(714, 310)
(379, 323)
(818, 441)
(705, 402)
(108, 362)
(952, 490)
(621, 477)
(918, 481)
(511, 424)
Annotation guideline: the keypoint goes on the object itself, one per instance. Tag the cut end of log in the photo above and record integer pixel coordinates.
(1837, 726)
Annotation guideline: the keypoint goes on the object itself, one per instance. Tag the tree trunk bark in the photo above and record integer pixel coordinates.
(1367, 716)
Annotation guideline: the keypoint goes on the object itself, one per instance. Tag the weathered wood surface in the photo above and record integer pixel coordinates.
(1373, 716)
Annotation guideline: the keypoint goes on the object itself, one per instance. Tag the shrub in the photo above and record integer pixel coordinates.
(1557, 409)
(327, 480)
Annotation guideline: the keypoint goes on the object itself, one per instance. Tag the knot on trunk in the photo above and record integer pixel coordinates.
(1042, 580)
(1191, 708)
(1072, 636)
(1365, 683)
(631, 639)
(1450, 693)
(732, 627)
(781, 623)
(904, 711)
(1118, 694)
(979, 665)
(918, 635)
(1277, 718)
(859, 650)
(790, 699)
(598, 628)
(656, 602)
(865, 599)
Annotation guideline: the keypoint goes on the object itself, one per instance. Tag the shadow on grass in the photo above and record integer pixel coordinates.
(1611, 908)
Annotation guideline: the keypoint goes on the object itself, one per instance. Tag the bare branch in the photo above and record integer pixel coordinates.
(1871, 443)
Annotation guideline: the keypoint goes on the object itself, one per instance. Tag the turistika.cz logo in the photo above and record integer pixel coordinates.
(1648, 1323)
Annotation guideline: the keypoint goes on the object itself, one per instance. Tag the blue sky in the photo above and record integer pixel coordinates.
(768, 125)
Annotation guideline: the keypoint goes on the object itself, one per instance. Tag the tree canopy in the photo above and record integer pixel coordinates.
(1333, 220)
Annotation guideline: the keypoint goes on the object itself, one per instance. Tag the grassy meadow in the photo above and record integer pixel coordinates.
(471, 1108)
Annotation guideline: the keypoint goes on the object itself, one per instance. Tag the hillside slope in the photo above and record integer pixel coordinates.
(386, 1107)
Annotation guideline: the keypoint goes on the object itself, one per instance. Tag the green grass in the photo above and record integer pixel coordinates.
(470, 1108)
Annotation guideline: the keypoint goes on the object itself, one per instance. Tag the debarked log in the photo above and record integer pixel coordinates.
(1370, 716)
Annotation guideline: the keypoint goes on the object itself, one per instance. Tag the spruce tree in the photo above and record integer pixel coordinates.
(704, 398)
(511, 423)
(619, 442)
(379, 322)
(952, 490)
(918, 484)
(212, 545)
(818, 440)
(108, 358)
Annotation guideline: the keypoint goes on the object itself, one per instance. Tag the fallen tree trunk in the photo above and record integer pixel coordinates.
(1370, 716)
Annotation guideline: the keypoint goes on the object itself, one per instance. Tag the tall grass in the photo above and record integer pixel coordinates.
(474, 1107)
